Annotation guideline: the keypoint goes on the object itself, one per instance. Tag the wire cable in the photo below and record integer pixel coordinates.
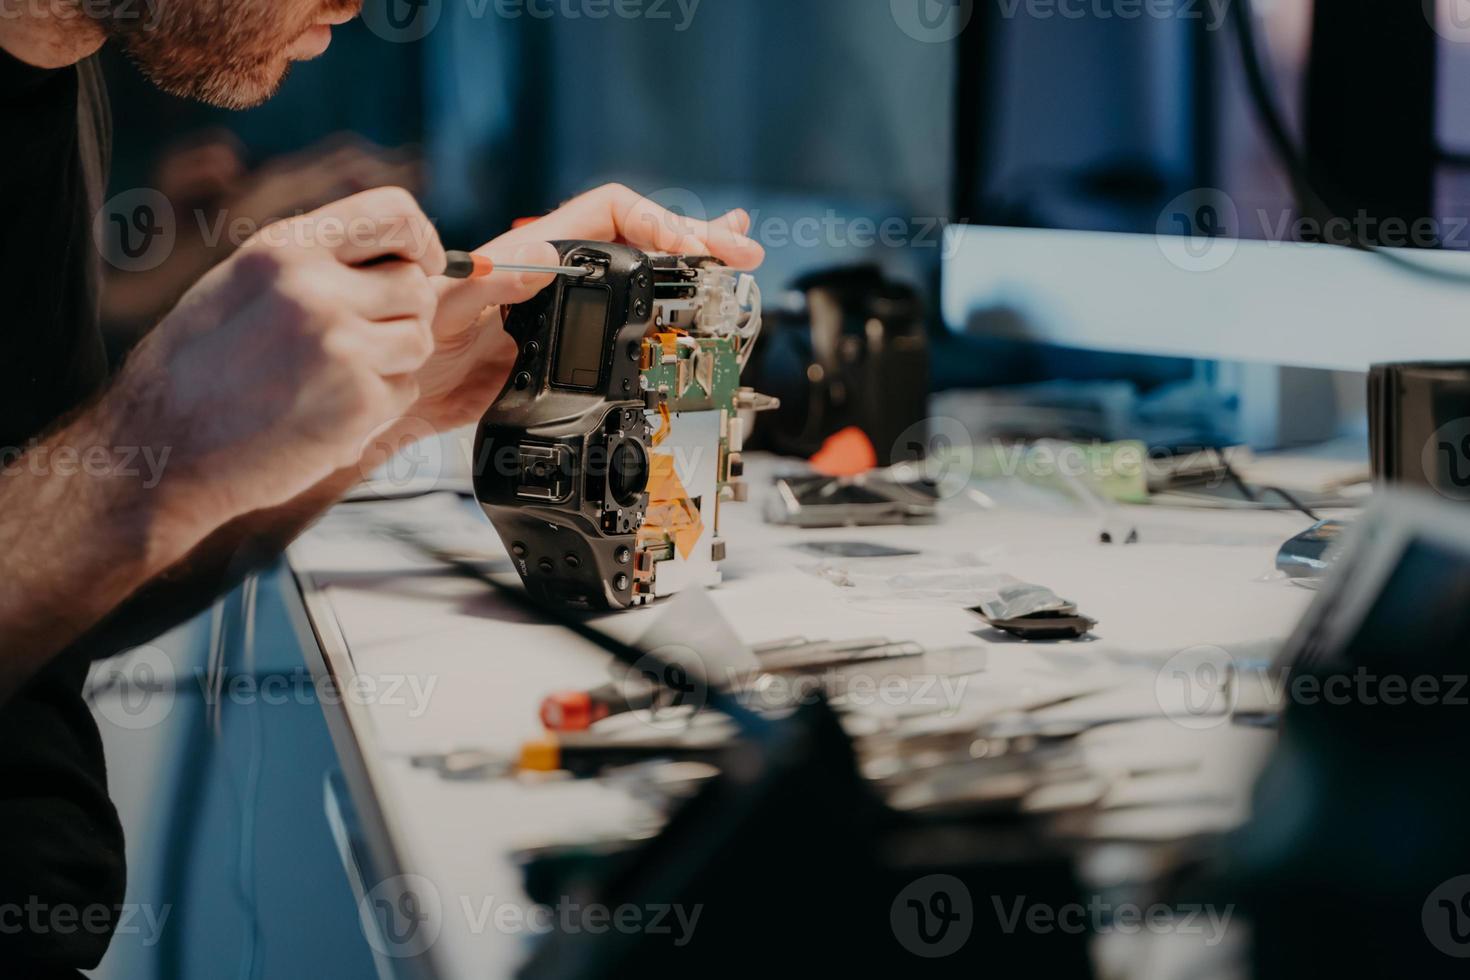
(1253, 495)
(1309, 200)
(250, 803)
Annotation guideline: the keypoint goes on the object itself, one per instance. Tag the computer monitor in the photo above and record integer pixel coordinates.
(1286, 303)
(1120, 196)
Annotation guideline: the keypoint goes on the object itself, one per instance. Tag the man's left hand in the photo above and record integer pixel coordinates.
(474, 354)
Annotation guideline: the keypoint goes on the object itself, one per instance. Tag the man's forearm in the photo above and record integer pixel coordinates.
(83, 527)
(219, 563)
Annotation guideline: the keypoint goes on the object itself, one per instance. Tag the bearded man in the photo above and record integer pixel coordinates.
(277, 381)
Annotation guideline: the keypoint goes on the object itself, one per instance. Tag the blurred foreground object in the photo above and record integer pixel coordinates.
(212, 201)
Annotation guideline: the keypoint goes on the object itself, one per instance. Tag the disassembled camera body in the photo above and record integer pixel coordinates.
(604, 462)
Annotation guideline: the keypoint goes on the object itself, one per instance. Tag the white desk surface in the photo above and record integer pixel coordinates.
(1198, 579)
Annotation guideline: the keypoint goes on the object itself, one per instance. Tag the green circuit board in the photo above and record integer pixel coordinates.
(699, 375)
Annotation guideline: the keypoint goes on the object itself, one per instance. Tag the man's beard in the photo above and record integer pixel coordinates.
(228, 53)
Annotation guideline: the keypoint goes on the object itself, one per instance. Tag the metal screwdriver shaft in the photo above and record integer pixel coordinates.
(464, 265)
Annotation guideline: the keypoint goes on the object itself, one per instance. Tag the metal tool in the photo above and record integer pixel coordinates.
(467, 265)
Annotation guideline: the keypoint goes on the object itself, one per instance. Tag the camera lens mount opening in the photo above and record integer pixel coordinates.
(627, 472)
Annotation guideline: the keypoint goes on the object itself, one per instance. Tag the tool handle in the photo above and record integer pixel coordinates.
(467, 265)
(577, 711)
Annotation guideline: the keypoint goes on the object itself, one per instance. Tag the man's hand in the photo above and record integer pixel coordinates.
(279, 365)
(474, 355)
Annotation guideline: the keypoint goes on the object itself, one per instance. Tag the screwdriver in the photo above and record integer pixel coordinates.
(466, 265)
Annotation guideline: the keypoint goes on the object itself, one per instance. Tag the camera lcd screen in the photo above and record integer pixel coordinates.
(583, 337)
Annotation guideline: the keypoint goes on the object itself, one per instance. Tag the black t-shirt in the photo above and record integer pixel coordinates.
(61, 845)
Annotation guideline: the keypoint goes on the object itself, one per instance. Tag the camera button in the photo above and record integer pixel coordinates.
(523, 381)
(573, 562)
(519, 550)
(624, 555)
(547, 566)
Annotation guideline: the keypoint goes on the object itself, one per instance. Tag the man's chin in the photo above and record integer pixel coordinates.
(229, 91)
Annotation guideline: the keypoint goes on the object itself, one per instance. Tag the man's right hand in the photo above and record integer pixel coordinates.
(275, 370)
